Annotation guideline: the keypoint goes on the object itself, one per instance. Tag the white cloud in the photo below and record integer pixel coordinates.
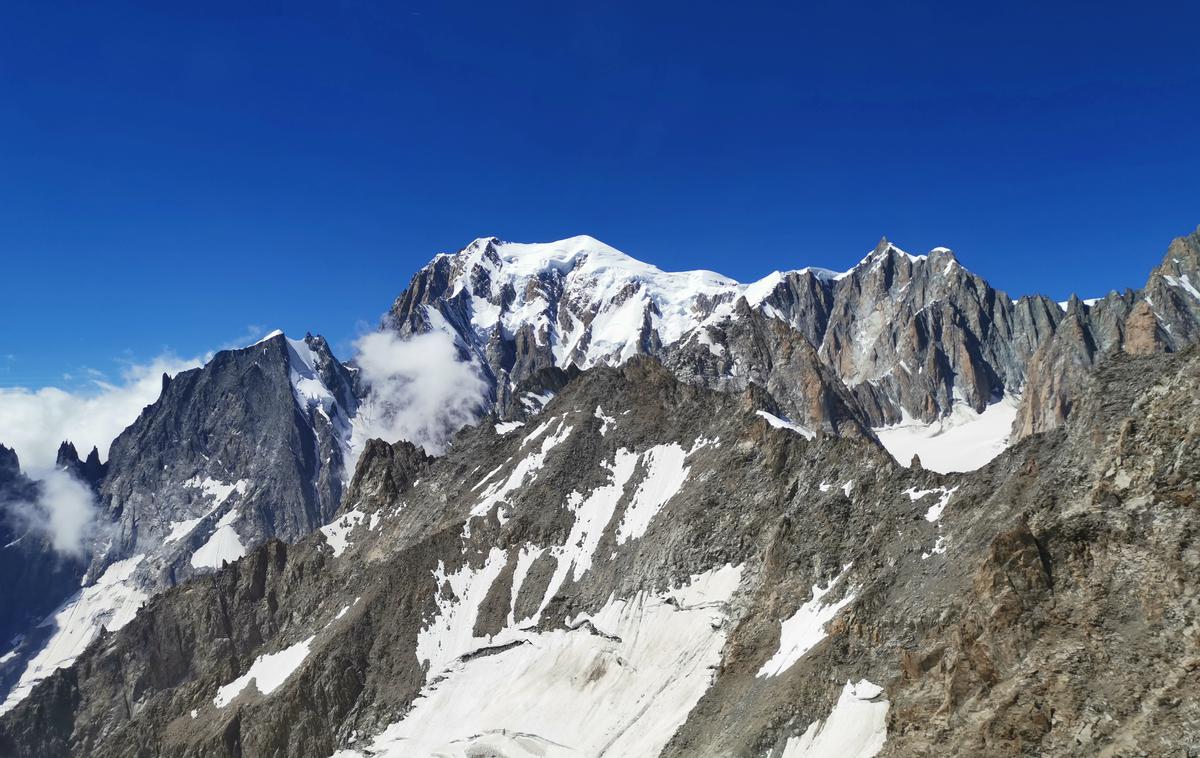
(34, 422)
(420, 390)
(65, 512)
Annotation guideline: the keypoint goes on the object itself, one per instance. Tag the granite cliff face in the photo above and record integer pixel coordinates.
(251, 447)
(1162, 316)
(649, 567)
(262, 432)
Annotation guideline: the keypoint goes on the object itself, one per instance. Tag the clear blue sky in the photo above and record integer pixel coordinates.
(173, 173)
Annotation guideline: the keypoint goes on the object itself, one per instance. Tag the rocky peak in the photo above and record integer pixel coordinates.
(90, 471)
(66, 454)
(1173, 291)
(385, 472)
(270, 422)
(1162, 317)
(253, 446)
(1183, 257)
(10, 464)
(752, 350)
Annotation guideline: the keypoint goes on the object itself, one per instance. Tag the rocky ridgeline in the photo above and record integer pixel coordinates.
(652, 566)
(897, 334)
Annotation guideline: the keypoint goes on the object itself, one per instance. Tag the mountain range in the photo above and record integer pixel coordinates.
(890, 510)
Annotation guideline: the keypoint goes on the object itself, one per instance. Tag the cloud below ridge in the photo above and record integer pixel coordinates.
(420, 390)
(34, 422)
(65, 512)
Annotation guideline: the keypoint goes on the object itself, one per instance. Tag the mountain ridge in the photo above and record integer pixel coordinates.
(908, 336)
(251, 456)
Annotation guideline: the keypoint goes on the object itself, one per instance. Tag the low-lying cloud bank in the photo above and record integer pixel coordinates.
(34, 422)
(65, 513)
(420, 390)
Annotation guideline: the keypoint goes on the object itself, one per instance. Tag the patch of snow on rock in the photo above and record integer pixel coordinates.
(181, 529)
(504, 427)
(855, 728)
(222, 546)
(963, 441)
(665, 474)
(605, 421)
(451, 633)
(620, 684)
(1184, 283)
(783, 423)
(337, 534)
(525, 558)
(109, 603)
(217, 490)
(939, 547)
(935, 511)
(527, 467)
(592, 515)
(801, 631)
(534, 402)
(267, 672)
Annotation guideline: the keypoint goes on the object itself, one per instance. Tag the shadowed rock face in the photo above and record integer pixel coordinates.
(239, 419)
(90, 470)
(34, 577)
(251, 447)
(897, 334)
(1045, 604)
(754, 350)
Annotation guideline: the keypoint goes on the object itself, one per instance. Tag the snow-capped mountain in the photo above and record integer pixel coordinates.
(253, 446)
(677, 535)
(910, 344)
(586, 303)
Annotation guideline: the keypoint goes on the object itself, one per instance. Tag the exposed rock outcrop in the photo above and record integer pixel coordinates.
(1045, 604)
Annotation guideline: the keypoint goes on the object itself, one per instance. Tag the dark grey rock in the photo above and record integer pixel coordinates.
(90, 470)
(35, 577)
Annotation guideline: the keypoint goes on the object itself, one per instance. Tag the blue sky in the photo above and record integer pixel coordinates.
(176, 174)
